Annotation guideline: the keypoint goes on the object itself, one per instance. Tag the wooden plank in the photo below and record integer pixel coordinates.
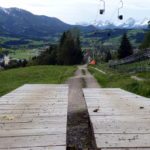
(52, 114)
(40, 148)
(30, 125)
(32, 111)
(34, 117)
(51, 119)
(33, 132)
(33, 105)
(33, 141)
(51, 110)
(120, 119)
(119, 124)
(123, 140)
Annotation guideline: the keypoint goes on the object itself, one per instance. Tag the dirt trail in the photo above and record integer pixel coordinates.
(79, 135)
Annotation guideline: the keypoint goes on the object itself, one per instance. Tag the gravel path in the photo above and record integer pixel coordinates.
(79, 134)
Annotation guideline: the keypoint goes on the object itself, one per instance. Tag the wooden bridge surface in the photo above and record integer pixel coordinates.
(34, 117)
(120, 120)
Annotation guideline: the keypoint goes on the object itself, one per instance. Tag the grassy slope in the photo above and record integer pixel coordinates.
(115, 79)
(144, 75)
(11, 79)
(133, 66)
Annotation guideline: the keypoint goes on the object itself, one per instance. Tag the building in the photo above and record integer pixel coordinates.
(4, 60)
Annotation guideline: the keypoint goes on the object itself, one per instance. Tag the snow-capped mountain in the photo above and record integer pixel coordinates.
(130, 23)
(104, 24)
(144, 22)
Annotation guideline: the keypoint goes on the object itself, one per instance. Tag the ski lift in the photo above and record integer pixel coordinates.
(102, 10)
(120, 17)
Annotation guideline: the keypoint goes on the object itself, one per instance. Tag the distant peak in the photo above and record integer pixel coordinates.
(127, 24)
(5, 10)
(15, 8)
(12, 9)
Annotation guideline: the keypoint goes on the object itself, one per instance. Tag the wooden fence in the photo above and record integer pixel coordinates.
(133, 58)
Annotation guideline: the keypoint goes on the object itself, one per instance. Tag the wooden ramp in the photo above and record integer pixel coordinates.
(120, 120)
(34, 117)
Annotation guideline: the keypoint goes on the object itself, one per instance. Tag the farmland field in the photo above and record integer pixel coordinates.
(23, 54)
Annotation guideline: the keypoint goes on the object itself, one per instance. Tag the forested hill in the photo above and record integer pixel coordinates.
(19, 22)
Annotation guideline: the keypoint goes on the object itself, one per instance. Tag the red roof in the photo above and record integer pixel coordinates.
(93, 62)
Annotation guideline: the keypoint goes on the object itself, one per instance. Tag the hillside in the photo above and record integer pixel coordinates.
(112, 37)
(120, 78)
(13, 78)
(21, 23)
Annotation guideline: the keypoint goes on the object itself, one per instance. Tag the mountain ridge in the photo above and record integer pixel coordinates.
(19, 22)
(130, 23)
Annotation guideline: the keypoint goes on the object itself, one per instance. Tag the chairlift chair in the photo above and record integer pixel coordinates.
(120, 17)
(102, 10)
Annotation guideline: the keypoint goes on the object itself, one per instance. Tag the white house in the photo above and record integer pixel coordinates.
(6, 60)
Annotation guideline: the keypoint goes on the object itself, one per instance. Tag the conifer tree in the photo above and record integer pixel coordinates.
(69, 52)
(125, 48)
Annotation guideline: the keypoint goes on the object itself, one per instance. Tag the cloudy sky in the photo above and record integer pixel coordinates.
(80, 11)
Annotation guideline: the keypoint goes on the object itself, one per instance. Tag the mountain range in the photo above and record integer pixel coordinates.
(18, 22)
(130, 23)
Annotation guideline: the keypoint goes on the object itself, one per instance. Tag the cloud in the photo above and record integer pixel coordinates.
(72, 11)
